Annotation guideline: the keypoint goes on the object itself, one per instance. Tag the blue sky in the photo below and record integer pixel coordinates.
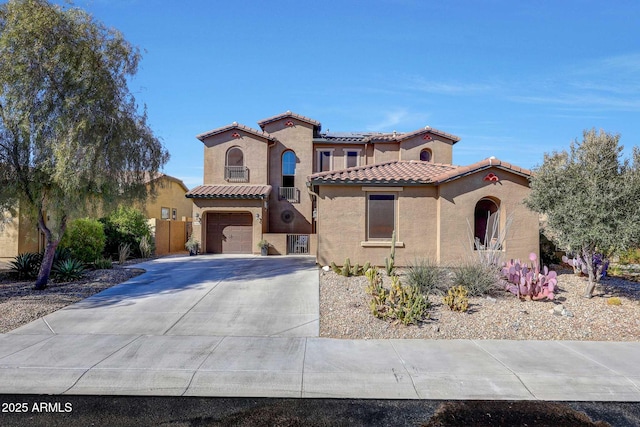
(513, 79)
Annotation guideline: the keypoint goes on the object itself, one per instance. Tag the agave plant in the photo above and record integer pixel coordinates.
(530, 282)
(67, 270)
(26, 265)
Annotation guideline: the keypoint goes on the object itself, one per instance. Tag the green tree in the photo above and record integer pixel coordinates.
(73, 141)
(591, 197)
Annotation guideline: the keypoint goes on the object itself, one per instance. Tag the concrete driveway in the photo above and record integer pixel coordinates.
(208, 295)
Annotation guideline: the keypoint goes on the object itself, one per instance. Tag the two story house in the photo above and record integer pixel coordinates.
(343, 194)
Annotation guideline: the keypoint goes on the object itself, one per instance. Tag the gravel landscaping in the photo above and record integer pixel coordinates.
(344, 313)
(21, 304)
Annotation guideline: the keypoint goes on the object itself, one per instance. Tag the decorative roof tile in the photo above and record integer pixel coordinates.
(461, 171)
(230, 192)
(288, 114)
(400, 171)
(409, 172)
(238, 126)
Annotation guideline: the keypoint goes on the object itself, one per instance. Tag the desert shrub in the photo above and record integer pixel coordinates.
(26, 265)
(85, 239)
(125, 225)
(427, 277)
(456, 299)
(103, 264)
(67, 270)
(478, 278)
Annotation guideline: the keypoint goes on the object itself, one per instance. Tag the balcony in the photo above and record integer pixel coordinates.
(236, 174)
(291, 194)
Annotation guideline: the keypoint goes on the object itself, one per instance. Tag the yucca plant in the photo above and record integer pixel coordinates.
(67, 270)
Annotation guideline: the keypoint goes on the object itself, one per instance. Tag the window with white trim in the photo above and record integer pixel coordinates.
(324, 160)
(381, 216)
(164, 213)
(351, 158)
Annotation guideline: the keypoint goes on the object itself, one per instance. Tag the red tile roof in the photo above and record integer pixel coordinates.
(409, 172)
(238, 126)
(288, 114)
(230, 192)
(461, 171)
(400, 171)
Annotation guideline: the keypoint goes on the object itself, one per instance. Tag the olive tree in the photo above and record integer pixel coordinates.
(73, 141)
(590, 196)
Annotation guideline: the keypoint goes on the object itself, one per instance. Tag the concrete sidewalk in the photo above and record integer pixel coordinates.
(318, 367)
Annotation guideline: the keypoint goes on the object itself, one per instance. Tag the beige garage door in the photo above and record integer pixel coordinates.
(229, 233)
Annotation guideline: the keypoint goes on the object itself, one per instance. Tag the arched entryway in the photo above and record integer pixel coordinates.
(486, 223)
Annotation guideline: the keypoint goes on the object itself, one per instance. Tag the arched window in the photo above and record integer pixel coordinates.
(235, 157)
(486, 224)
(234, 170)
(288, 188)
(426, 155)
(288, 169)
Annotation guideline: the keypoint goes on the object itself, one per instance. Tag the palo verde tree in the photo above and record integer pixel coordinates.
(591, 197)
(72, 139)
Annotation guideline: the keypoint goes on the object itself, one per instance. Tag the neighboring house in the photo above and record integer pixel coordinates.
(340, 195)
(170, 202)
(20, 234)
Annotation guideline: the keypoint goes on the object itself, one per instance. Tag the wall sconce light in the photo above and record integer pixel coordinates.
(258, 218)
(197, 215)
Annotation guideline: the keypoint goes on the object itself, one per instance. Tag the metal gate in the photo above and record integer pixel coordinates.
(297, 244)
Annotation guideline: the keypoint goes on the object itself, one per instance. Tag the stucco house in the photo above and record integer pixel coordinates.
(20, 234)
(339, 195)
(170, 202)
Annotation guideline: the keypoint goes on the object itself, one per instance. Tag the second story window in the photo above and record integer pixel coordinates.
(425, 155)
(351, 158)
(325, 160)
(288, 169)
(288, 190)
(234, 170)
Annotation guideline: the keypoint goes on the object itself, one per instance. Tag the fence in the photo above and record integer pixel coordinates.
(169, 236)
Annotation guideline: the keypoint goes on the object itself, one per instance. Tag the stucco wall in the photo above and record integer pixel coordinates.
(342, 226)
(170, 194)
(254, 150)
(457, 203)
(296, 138)
(8, 235)
(441, 149)
(18, 235)
(385, 152)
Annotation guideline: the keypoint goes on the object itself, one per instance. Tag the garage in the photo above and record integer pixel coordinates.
(229, 233)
